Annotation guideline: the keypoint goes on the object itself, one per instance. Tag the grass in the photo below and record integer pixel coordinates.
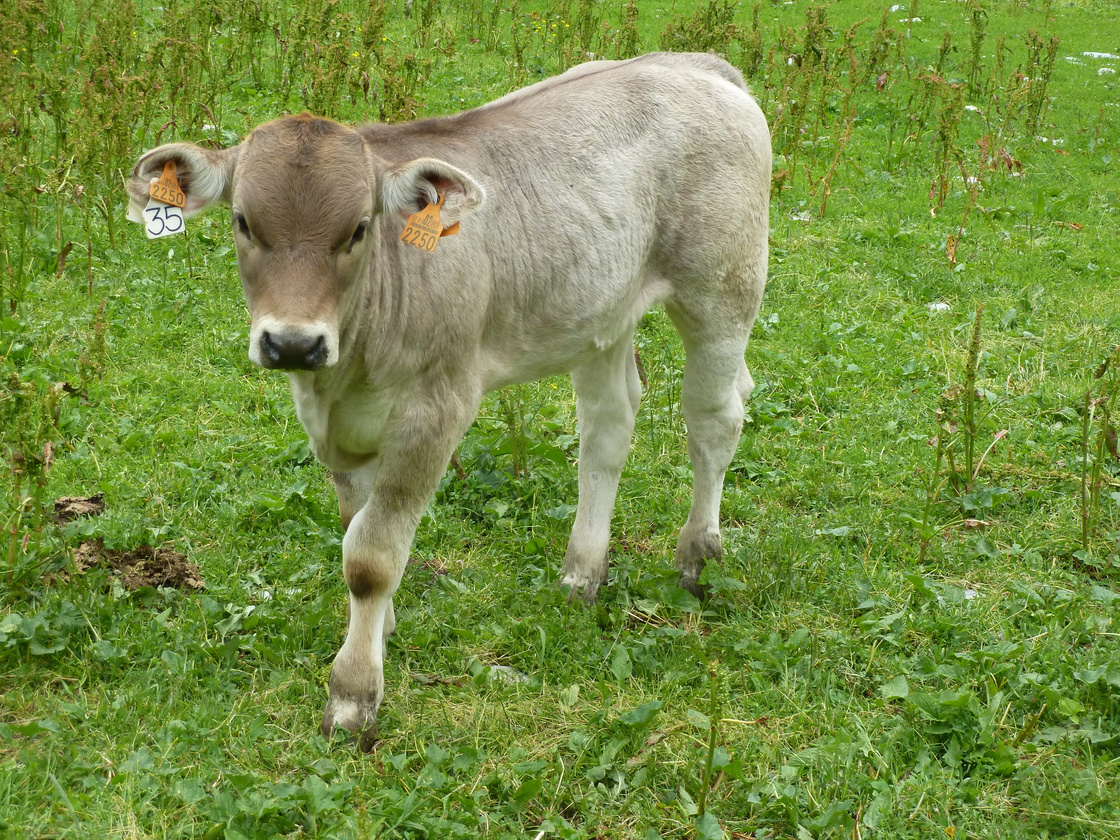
(898, 645)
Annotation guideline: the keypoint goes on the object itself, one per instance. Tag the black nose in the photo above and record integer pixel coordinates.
(293, 352)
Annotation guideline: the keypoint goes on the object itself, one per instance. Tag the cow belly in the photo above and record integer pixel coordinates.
(545, 347)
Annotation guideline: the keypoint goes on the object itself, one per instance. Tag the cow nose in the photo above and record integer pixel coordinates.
(293, 352)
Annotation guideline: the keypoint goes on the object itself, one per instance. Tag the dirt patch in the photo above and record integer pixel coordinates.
(143, 566)
(69, 508)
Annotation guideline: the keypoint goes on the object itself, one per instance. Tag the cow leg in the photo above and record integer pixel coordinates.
(353, 490)
(375, 551)
(716, 385)
(607, 394)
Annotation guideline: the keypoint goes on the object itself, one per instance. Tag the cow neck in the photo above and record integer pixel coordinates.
(385, 309)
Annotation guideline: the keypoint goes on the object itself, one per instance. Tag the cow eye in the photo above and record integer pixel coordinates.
(242, 226)
(359, 235)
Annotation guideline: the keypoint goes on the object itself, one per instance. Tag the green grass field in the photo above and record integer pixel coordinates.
(914, 632)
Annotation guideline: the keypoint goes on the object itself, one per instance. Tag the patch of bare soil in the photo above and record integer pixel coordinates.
(69, 508)
(143, 566)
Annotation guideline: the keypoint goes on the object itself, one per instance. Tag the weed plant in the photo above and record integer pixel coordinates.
(913, 631)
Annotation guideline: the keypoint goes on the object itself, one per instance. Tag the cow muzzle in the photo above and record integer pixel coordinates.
(279, 346)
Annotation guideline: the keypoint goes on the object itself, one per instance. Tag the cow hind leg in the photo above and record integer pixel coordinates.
(607, 394)
(716, 385)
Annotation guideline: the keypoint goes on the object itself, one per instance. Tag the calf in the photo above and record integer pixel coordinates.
(584, 201)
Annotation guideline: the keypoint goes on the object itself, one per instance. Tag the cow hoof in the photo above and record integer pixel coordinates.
(700, 590)
(694, 549)
(581, 588)
(355, 717)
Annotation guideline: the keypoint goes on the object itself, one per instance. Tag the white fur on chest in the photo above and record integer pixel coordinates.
(346, 429)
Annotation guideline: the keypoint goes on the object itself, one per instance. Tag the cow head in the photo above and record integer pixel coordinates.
(304, 193)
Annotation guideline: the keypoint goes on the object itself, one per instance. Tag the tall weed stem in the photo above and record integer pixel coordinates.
(971, 397)
(1101, 404)
(932, 492)
(713, 736)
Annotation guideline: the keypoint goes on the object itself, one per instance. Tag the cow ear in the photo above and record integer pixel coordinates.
(205, 176)
(410, 187)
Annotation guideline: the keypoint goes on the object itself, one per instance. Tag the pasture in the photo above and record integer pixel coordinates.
(914, 630)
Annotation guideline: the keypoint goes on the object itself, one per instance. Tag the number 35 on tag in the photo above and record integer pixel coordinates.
(164, 214)
(162, 219)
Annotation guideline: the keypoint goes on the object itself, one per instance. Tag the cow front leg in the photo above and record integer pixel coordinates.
(353, 490)
(608, 390)
(375, 552)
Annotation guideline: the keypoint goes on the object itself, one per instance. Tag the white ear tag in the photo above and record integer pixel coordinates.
(164, 214)
(162, 219)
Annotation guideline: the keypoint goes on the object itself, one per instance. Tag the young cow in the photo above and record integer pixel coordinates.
(584, 201)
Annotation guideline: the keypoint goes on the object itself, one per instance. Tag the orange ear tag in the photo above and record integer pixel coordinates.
(166, 189)
(424, 229)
